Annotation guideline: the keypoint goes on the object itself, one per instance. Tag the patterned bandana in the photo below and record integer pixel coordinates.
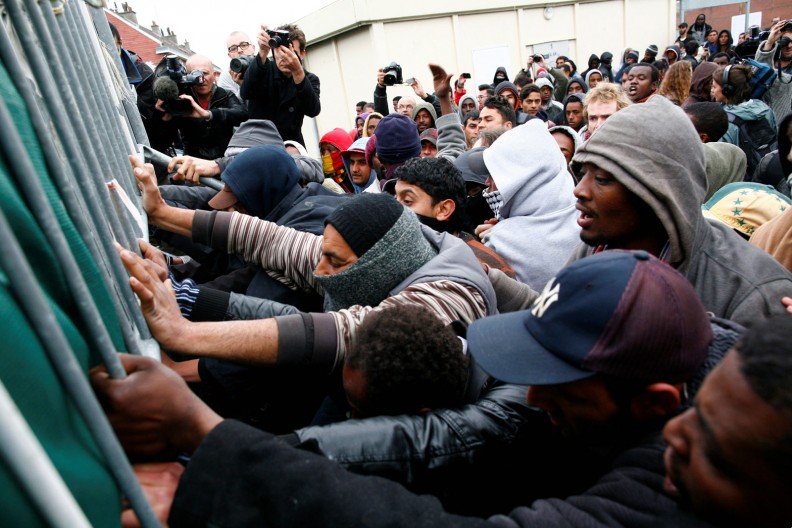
(495, 201)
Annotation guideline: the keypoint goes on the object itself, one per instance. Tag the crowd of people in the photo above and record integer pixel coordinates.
(558, 300)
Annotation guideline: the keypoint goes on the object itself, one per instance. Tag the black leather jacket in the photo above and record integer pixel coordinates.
(209, 139)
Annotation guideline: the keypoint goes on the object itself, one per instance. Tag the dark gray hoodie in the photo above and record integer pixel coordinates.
(734, 280)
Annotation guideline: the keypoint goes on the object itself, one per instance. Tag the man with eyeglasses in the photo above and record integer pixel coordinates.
(237, 44)
(277, 86)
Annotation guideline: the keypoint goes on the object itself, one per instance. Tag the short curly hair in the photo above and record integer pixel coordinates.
(410, 361)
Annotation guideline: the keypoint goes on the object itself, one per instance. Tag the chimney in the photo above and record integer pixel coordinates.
(127, 13)
(170, 38)
(155, 28)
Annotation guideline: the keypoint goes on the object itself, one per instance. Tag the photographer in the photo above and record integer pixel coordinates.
(209, 125)
(391, 75)
(777, 52)
(278, 88)
(238, 45)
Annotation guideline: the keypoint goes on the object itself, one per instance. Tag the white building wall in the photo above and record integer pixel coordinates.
(350, 39)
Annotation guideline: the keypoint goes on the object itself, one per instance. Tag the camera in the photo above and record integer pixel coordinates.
(172, 80)
(783, 42)
(178, 73)
(787, 26)
(278, 37)
(393, 74)
(240, 64)
(538, 58)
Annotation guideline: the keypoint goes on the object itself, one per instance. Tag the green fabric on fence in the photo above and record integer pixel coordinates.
(36, 390)
(27, 372)
(82, 255)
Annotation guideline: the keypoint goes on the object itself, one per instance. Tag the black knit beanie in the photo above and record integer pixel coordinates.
(364, 219)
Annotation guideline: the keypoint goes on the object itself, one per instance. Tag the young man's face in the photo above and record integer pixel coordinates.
(609, 213)
(721, 61)
(532, 103)
(471, 131)
(594, 79)
(639, 83)
(574, 114)
(574, 88)
(712, 36)
(423, 119)
(359, 171)
(491, 118)
(546, 92)
(566, 145)
(372, 125)
(417, 200)
(599, 112)
(509, 96)
(468, 105)
(716, 460)
(428, 149)
(482, 96)
(581, 409)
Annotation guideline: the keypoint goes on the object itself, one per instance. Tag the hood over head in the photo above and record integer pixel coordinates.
(578, 79)
(338, 137)
(592, 59)
(675, 49)
(529, 171)
(725, 164)
(423, 105)
(366, 122)
(495, 79)
(672, 181)
(700, 82)
(459, 107)
(261, 177)
(509, 86)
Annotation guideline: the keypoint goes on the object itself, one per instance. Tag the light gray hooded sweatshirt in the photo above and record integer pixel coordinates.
(734, 279)
(539, 227)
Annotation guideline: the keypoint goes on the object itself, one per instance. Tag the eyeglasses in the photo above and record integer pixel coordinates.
(237, 47)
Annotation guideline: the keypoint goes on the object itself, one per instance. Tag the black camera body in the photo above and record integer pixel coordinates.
(173, 80)
(178, 73)
(278, 37)
(240, 64)
(538, 58)
(393, 74)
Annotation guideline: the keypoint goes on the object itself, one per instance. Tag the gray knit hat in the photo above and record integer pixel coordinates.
(255, 132)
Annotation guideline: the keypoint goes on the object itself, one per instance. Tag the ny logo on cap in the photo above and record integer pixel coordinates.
(548, 296)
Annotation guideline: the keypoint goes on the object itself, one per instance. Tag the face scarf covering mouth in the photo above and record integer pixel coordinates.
(495, 201)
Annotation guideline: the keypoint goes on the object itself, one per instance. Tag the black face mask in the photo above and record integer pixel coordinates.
(478, 210)
(434, 223)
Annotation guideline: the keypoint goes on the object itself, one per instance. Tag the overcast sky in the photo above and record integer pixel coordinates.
(206, 24)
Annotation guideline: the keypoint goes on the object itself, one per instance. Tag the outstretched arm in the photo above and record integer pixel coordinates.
(173, 219)
(244, 341)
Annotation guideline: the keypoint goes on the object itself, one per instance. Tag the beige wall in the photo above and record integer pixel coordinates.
(350, 39)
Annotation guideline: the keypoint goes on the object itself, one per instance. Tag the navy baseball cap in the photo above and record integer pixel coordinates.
(625, 314)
